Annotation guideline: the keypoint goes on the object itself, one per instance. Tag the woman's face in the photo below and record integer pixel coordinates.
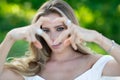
(54, 28)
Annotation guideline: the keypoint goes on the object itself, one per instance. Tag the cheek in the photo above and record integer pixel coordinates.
(59, 34)
(53, 36)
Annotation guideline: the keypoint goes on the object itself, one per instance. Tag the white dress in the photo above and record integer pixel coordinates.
(95, 73)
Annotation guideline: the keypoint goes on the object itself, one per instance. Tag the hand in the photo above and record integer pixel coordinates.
(27, 33)
(77, 34)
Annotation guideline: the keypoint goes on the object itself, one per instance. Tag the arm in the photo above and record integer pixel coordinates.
(24, 33)
(79, 35)
(6, 74)
(4, 49)
(107, 44)
(113, 67)
(10, 75)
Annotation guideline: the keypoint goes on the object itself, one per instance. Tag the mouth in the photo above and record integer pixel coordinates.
(56, 45)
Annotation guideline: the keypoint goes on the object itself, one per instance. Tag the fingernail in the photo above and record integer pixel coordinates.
(39, 31)
(75, 48)
(68, 22)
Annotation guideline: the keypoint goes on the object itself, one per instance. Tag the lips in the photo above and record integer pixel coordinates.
(56, 45)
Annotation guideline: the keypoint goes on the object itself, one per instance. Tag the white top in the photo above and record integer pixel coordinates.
(95, 73)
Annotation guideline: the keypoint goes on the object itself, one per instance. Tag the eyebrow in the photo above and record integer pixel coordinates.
(54, 27)
(58, 26)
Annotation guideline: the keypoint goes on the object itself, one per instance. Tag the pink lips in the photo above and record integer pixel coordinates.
(56, 45)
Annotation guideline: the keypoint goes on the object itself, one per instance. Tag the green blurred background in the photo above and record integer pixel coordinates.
(101, 15)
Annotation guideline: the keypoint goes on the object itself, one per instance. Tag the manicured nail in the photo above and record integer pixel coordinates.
(68, 22)
(39, 31)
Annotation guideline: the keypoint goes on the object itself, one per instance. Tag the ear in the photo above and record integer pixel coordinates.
(67, 42)
(37, 44)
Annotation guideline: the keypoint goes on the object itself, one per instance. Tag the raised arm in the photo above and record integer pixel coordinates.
(113, 66)
(26, 33)
(79, 35)
(5, 46)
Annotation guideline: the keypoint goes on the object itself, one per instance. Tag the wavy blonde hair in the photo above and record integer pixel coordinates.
(32, 63)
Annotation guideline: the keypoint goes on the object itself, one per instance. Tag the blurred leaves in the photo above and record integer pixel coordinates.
(13, 15)
(101, 15)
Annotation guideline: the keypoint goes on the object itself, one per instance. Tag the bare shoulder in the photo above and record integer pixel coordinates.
(93, 58)
(10, 75)
(89, 60)
(112, 68)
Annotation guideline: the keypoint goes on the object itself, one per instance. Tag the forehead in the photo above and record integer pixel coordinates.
(51, 17)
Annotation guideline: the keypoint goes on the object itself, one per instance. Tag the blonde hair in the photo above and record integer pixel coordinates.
(34, 61)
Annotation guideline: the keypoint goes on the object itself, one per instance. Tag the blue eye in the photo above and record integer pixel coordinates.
(45, 30)
(60, 29)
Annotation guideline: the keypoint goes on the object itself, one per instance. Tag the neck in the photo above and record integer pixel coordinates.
(65, 55)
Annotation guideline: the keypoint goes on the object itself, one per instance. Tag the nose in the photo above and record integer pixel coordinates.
(54, 36)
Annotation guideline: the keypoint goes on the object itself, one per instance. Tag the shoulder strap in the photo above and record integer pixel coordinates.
(100, 64)
(33, 78)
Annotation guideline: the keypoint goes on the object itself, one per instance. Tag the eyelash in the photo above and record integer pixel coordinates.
(57, 29)
(46, 30)
(60, 29)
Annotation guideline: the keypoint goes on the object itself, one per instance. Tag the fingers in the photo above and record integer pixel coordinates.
(62, 36)
(65, 20)
(41, 33)
(32, 39)
(41, 20)
(47, 38)
(72, 40)
(78, 40)
(36, 42)
(68, 22)
(37, 30)
(67, 32)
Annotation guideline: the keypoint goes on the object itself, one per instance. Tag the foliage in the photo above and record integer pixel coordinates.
(101, 15)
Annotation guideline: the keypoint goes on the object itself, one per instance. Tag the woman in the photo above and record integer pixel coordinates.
(57, 49)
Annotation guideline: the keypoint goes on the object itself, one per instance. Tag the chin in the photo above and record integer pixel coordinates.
(57, 50)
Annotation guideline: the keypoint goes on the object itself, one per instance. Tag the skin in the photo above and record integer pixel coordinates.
(62, 54)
